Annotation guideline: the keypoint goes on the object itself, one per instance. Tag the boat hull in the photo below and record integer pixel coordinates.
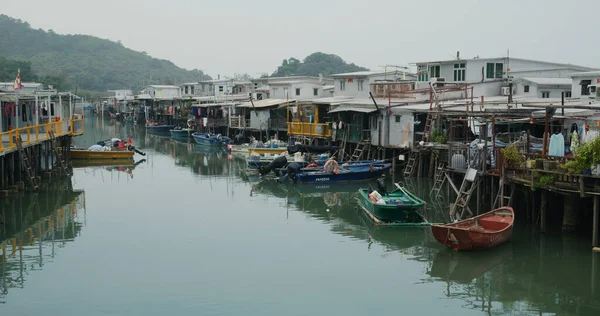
(346, 176)
(160, 128)
(89, 154)
(405, 212)
(490, 231)
(210, 140)
(181, 133)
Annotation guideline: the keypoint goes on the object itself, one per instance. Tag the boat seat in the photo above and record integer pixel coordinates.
(495, 222)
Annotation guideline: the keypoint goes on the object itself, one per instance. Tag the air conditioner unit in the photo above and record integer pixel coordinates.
(438, 81)
(505, 91)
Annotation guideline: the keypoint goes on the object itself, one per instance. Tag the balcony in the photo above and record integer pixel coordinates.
(40, 132)
(308, 129)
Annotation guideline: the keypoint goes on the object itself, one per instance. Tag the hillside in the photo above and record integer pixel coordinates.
(315, 64)
(84, 61)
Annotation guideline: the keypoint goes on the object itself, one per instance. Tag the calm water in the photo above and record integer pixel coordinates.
(189, 232)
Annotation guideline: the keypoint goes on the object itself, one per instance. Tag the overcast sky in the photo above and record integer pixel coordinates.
(235, 36)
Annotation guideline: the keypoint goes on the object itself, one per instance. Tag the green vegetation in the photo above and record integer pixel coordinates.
(82, 61)
(439, 137)
(315, 64)
(512, 158)
(9, 69)
(586, 156)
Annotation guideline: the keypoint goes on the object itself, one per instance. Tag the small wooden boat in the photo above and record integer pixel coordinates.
(207, 139)
(478, 233)
(83, 163)
(93, 154)
(399, 205)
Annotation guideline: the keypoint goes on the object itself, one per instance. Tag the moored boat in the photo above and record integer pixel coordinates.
(398, 206)
(207, 139)
(331, 172)
(181, 132)
(153, 126)
(105, 154)
(478, 233)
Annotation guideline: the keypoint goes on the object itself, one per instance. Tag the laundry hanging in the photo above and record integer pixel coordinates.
(557, 145)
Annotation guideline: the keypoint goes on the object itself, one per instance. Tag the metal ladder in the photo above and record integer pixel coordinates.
(358, 151)
(505, 200)
(25, 160)
(410, 165)
(440, 179)
(57, 152)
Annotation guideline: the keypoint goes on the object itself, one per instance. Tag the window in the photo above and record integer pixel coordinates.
(593, 89)
(342, 85)
(460, 72)
(545, 94)
(285, 92)
(220, 88)
(422, 73)
(186, 89)
(297, 91)
(434, 71)
(525, 89)
(499, 70)
(567, 94)
(397, 118)
(192, 90)
(360, 85)
(494, 71)
(315, 91)
(584, 87)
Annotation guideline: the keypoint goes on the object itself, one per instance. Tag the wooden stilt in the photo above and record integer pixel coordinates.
(544, 202)
(595, 237)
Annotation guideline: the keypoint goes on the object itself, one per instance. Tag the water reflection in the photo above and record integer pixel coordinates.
(35, 228)
(532, 274)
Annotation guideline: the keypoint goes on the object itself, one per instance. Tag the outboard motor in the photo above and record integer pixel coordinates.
(292, 169)
(278, 162)
(381, 187)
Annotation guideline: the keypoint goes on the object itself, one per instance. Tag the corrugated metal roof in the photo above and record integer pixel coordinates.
(586, 74)
(265, 103)
(332, 100)
(549, 81)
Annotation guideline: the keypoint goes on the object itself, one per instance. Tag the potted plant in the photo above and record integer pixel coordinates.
(512, 158)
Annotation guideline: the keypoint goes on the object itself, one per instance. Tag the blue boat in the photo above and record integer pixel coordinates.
(359, 172)
(207, 139)
(181, 132)
(157, 127)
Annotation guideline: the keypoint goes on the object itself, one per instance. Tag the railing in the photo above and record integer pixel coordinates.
(237, 121)
(36, 133)
(308, 129)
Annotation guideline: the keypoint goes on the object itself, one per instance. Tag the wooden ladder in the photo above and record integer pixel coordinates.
(26, 161)
(504, 200)
(427, 128)
(342, 149)
(58, 153)
(358, 151)
(410, 165)
(440, 179)
(461, 205)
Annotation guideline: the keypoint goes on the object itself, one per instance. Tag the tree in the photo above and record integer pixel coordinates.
(315, 64)
(242, 77)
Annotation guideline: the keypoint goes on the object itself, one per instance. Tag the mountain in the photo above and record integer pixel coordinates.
(86, 62)
(315, 64)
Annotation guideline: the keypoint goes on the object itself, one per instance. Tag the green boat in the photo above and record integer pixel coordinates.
(400, 207)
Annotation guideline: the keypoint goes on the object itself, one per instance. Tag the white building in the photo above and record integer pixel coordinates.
(357, 84)
(489, 75)
(543, 87)
(163, 92)
(584, 84)
(25, 86)
(300, 88)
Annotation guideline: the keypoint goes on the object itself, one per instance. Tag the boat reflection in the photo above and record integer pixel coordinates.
(35, 227)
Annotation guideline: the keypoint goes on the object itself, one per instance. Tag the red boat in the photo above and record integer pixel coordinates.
(478, 233)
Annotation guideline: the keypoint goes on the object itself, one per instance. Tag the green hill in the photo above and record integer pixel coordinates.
(315, 64)
(86, 62)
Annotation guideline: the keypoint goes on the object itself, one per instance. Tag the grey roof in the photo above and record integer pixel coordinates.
(366, 73)
(549, 81)
(586, 74)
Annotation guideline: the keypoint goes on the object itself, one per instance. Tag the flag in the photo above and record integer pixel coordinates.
(17, 85)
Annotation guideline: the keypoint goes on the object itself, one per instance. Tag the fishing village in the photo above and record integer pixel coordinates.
(498, 140)
(149, 165)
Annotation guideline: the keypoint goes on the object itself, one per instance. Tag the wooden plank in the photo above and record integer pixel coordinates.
(451, 183)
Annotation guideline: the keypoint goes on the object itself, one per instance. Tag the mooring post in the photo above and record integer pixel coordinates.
(478, 196)
(393, 161)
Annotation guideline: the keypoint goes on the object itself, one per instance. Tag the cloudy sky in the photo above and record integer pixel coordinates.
(231, 36)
